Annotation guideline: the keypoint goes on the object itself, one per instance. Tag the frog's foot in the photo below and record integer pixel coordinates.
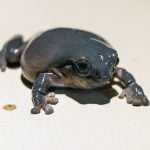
(135, 95)
(3, 63)
(51, 99)
(47, 108)
(42, 103)
(39, 92)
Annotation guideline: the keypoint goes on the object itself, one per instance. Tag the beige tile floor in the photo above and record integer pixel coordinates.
(75, 126)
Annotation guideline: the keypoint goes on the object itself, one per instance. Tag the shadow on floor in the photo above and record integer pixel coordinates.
(94, 96)
(98, 96)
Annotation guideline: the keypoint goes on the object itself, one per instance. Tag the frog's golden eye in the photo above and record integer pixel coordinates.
(83, 67)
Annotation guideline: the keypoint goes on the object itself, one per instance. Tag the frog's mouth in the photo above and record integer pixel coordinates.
(84, 83)
(73, 80)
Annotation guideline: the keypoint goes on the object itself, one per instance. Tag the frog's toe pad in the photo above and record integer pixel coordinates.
(48, 109)
(35, 110)
(51, 99)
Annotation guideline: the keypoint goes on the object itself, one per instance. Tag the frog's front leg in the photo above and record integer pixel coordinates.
(40, 88)
(133, 92)
(11, 51)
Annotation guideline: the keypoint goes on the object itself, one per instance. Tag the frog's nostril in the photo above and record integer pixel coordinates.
(117, 61)
(98, 76)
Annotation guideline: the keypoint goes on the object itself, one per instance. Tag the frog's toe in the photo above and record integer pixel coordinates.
(123, 94)
(48, 109)
(129, 100)
(140, 100)
(144, 100)
(3, 63)
(136, 102)
(51, 99)
(35, 110)
(3, 68)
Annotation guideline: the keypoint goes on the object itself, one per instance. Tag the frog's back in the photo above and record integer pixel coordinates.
(54, 46)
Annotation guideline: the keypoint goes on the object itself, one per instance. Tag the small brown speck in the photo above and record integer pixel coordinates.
(9, 107)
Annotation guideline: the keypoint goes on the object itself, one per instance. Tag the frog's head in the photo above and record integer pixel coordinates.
(96, 70)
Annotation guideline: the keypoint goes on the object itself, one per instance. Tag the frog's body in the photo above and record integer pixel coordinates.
(66, 57)
(55, 47)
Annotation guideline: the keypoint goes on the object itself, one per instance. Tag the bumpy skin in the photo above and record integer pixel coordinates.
(66, 57)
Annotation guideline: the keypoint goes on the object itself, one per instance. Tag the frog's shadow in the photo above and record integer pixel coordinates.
(98, 96)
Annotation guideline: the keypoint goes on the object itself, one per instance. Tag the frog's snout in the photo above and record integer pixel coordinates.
(102, 78)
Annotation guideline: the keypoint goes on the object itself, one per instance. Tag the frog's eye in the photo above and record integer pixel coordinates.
(83, 67)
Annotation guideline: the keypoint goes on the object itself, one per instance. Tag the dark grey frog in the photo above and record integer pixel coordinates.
(64, 57)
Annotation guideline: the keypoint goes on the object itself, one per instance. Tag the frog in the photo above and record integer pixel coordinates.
(68, 58)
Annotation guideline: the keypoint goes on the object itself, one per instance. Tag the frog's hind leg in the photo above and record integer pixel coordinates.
(40, 88)
(11, 51)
